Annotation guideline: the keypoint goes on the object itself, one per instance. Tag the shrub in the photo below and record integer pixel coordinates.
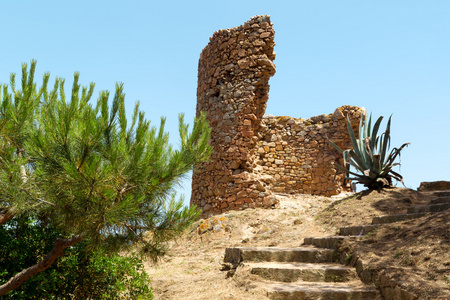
(78, 274)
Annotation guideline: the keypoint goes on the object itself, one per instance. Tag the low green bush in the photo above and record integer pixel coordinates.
(79, 274)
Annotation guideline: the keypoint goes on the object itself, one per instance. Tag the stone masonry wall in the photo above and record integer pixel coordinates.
(296, 155)
(254, 155)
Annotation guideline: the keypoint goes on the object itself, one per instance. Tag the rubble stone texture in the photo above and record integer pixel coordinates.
(256, 155)
(434, 186)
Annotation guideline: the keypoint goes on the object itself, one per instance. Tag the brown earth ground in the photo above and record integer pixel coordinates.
(416, 253)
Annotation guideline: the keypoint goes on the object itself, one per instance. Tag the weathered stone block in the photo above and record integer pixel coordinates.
(434, 186)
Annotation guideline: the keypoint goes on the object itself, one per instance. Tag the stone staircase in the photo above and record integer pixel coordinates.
(301, 273)
(312, 271)
(440, 203)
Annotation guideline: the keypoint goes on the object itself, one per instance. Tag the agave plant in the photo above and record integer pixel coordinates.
(369, 155)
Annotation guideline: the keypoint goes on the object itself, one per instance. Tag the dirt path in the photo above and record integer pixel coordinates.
(192, 270)
(415, 253)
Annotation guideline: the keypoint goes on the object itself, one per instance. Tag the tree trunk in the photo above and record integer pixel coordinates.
(57, 251)
(5, 216)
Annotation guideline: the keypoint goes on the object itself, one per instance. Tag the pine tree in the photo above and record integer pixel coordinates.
(83, 169)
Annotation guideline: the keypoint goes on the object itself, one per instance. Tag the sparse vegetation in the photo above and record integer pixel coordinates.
(335, 278)
(348, 258)
(430, 256)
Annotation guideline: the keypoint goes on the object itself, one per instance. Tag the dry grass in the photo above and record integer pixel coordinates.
(415, 252)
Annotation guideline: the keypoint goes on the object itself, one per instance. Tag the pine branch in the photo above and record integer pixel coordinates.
(37, 198)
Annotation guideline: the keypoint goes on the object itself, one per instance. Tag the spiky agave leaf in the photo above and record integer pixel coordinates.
(375, 166)
(374, 136)
(356, 145)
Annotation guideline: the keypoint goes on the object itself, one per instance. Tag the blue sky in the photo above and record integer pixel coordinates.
(391, 57)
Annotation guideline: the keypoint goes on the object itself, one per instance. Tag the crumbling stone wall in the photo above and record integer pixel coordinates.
(295, 157)
(255, 156)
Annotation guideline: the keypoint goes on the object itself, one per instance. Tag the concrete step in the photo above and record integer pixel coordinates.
(236, 255)
(428, 208)
(396, 218)
(440, 200)
(329, 242)
(291, 272)
(358, 230)
(321, 291)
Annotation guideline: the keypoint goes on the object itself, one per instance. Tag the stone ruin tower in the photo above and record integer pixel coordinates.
(255, 155)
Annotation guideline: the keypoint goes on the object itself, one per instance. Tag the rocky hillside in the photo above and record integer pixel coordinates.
(414, 253)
